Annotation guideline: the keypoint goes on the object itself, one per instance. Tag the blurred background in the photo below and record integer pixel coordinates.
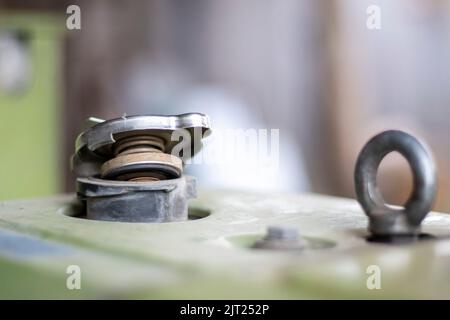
(312, 69)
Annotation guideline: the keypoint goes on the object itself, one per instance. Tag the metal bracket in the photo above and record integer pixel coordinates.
(125, 171)
(95, 146)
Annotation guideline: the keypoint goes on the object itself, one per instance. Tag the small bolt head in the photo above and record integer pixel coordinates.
(281, 238)
(282, 233)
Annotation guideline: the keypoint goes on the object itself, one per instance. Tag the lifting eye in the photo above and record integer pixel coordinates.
(385, 222)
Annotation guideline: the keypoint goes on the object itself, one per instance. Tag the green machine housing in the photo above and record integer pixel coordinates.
(212, 255)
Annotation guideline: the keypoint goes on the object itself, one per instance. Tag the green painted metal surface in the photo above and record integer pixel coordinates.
(29, 120)
(211, 257)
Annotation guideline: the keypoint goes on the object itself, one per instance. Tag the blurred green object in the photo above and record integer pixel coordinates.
(29, 114)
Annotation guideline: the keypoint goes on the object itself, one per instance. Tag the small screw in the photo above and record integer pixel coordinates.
(281, 238)
(92, 121)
